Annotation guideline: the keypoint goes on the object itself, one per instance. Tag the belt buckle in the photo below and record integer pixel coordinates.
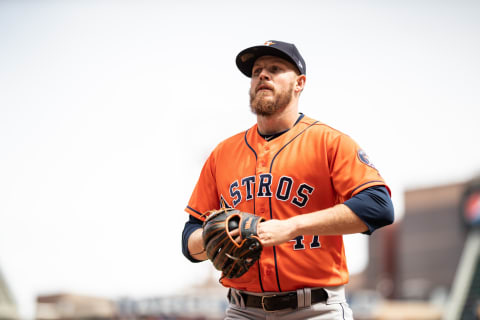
(263, 302)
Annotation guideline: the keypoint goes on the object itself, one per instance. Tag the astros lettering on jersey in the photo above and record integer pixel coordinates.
(309, 168)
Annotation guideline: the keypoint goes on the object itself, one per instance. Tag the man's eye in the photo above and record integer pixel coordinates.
(274, 69)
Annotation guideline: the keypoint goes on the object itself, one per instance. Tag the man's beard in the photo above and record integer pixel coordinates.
(268, 107)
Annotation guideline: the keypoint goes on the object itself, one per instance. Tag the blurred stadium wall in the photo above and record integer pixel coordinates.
(8, 309)
(426, 264)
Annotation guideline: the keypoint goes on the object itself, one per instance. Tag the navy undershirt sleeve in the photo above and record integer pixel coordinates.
(190, 226)
(374, 206)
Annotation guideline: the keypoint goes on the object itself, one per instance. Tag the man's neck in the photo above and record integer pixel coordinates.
(278, 122)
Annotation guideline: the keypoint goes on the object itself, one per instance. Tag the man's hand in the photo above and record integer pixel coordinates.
(271, 232)
(275, 232)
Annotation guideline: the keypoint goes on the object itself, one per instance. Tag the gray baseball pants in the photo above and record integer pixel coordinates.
(334, 308)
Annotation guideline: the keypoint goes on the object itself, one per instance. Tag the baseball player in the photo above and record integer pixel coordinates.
(310, 183)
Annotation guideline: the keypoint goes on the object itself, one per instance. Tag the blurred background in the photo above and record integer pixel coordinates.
(108, 110)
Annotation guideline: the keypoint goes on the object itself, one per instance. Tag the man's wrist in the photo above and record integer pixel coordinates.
(195, 245)
(297, 226)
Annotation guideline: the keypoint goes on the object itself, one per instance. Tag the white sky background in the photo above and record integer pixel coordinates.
(109, 108)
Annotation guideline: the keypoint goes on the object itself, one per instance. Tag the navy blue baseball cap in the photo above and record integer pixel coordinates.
(288, 51)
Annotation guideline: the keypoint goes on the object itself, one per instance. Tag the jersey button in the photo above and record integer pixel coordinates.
(261, 210)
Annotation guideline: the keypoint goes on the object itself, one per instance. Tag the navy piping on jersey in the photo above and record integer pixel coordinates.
(255, 154)
(248, 145)
(276, 266)
(276, 135)
(271, 164)
(194, 210)
(254, 196)
(299, 118)
(373, 181)
(270, 199)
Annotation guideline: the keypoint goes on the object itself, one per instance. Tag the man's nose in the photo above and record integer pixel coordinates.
(264, 75)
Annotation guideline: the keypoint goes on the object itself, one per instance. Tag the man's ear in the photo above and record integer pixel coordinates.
(300, 83)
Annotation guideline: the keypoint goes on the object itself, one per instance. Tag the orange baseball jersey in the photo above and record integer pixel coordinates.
(309, 168)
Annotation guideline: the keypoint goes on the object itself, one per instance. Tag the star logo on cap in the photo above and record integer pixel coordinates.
(269, 43)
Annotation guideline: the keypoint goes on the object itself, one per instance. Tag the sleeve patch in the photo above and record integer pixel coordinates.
(363, 157)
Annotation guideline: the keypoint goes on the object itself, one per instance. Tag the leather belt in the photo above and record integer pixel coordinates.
(281, 301)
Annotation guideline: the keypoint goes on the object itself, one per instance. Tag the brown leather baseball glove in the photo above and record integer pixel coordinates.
(228, 256)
